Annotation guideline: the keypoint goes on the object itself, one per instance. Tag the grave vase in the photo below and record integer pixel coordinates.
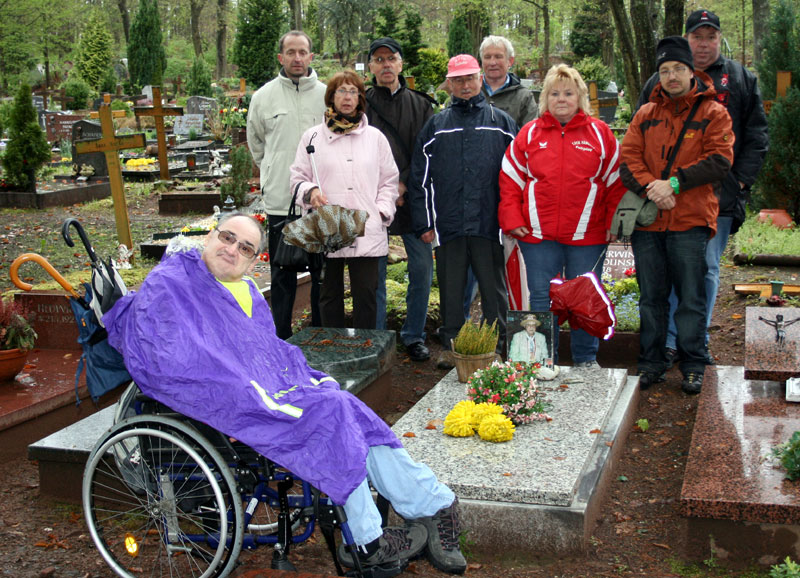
(778, 217)
(11, 363)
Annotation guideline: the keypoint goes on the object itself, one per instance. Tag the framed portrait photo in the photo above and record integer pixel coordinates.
(531, 337)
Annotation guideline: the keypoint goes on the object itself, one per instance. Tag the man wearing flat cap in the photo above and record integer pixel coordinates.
(454, 193)
(737, 90)
(677, 149)
(400, 113)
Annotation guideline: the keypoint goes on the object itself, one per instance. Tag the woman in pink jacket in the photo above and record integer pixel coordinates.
(356, 170)
(559, 188)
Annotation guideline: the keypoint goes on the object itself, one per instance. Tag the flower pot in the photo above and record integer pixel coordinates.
(778, 217)
(11, 363)
(466, 365)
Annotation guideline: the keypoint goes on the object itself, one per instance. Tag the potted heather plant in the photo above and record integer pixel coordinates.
(16, 338)
(474, 348)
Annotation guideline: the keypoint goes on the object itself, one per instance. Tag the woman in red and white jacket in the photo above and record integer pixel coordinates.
(559, 188)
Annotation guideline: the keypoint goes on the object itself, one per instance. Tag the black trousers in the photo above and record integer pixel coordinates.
(488, 265)
(284, 286)
(363, 273)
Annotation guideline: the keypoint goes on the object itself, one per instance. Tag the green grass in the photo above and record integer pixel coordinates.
(755, 238)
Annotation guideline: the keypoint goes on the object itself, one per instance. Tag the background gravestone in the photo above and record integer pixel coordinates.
(85, 130)
(147, 91)
(201, 105)
(38, 104)
(184, 124)
(59, 126)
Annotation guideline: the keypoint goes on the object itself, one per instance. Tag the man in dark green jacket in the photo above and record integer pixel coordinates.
(501, 87)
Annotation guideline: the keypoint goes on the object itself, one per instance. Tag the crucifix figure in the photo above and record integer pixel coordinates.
(159, 111)
(780, 327)
(111, 144)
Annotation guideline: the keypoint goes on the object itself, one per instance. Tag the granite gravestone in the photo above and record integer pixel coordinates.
(147, 92)
(619, 258)
(201, 105)
(183, 125)
(59, 126)
(772, 343)
(38, 104)
(85, 130)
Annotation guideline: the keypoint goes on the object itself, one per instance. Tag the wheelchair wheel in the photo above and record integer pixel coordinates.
(159, 500)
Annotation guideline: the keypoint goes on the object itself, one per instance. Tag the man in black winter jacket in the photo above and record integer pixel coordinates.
(737, 90)
(400, 113)
(454, 194)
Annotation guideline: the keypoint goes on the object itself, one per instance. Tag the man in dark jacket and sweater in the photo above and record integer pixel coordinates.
(400, 113)
(737, 90)
(454, 194)
(501, 87)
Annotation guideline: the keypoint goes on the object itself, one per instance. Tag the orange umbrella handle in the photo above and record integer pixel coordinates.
(24, 258)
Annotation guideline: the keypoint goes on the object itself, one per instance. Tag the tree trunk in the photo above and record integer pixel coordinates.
(760, 28)
(644, 19)
(296, 10)
(222, 38)
(195, 9)
(673, 17)
(629, 60)
(546, 22)
(126, 18)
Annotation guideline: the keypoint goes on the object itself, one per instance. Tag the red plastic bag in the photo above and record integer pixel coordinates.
(583, 302)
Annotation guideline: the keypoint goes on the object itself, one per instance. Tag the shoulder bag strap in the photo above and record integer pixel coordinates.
(665, 173)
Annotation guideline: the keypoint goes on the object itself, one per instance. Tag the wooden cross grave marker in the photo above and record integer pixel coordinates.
(159, 111)
(114, 113)
(111, 144)
(783, 82)
(61, 98)
(595, 104)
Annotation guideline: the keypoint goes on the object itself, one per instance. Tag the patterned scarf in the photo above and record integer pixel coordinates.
(341, 124)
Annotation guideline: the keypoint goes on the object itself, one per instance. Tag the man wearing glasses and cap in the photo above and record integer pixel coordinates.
(737, 90)
(454, 194)
(400, 113)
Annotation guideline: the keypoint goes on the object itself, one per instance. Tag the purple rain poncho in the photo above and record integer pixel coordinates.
(188, 344)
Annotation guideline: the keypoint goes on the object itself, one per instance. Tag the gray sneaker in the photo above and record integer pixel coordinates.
(443, 535)
(588, 365)
(396, 547)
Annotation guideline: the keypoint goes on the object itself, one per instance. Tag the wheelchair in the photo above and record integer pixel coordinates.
(164, 495)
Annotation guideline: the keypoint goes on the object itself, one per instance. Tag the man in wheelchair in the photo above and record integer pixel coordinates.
(199, 337)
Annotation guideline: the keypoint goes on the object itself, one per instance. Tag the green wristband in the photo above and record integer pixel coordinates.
(673, 182)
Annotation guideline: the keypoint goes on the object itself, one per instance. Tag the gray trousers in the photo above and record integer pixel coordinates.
(488, 265)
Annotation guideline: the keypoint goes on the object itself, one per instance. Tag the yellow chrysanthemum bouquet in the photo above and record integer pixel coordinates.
(487, 419)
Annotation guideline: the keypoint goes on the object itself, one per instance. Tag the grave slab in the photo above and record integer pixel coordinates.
(540, 492)
(94, 189)
(359, 359)
(772, 343)
(54, 321)
(731, 491)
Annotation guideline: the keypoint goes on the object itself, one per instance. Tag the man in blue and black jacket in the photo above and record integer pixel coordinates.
(454, 194)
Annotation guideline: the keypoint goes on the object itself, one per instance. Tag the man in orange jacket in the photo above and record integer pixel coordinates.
(676, 162)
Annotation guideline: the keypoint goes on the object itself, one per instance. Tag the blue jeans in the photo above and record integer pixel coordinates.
(548, 259)
(714, 250)
(411, 487)
(420, 277)
(666, 259)
(470, 293)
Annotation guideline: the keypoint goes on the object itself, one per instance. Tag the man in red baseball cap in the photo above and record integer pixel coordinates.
(454, 194)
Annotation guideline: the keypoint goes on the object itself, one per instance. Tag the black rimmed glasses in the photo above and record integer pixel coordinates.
(229, 238)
